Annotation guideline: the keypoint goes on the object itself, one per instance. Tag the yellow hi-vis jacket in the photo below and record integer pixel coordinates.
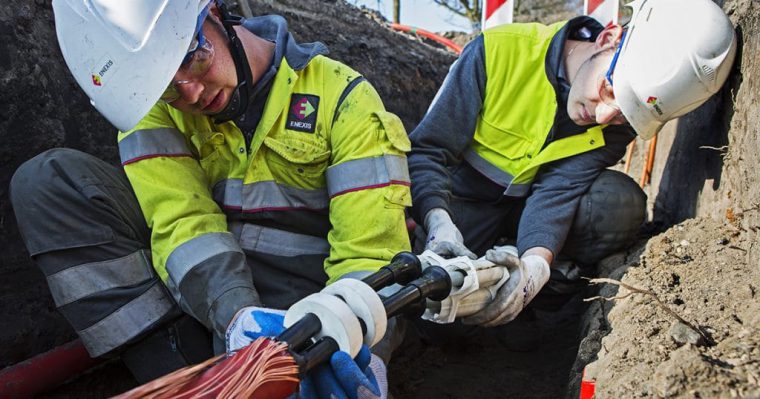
(516, 118)
(344, 165)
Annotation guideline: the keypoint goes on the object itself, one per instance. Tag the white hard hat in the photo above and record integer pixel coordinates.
(675, 55)
(124, 53)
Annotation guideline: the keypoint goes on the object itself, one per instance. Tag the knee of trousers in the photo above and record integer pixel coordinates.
(608, 218)
(39, 178)
(65, 198)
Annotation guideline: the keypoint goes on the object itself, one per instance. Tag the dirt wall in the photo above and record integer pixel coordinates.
(705, 191)
(42, 107)
(705, 162)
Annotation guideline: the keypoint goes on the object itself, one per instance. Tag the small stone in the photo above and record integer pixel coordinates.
(751, 378)
(684, 243)
(683, 334)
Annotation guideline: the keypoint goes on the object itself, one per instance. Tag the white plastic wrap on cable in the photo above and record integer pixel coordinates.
(474, 285)
(338, 320)
(366, 305)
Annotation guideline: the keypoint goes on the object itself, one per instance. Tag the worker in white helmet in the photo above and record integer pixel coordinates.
(517, 142)
(255, 171)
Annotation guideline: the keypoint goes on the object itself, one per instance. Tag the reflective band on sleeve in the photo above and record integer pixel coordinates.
(152, 143)
(192, 253)
(266, 196)
(496, 175)
(367, 173)
(87, 279)
(127, 322)
(276, 242)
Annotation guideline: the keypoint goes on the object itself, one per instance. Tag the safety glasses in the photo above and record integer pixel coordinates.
(197, 60)
(606, 92)
(611, 70)
(196, 63)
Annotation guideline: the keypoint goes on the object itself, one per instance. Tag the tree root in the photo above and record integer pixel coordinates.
(635, 290)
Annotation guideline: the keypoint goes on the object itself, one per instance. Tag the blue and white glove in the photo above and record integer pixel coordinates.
(344, 378)
(253, 322)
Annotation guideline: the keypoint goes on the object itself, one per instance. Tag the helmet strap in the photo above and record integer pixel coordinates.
(239, 100)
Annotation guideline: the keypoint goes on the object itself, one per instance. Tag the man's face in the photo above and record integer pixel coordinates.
(591, 99)
(209, 92)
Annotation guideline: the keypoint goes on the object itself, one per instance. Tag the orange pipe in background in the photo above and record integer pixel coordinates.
(629, 156)
(646, 173)
(429, 35)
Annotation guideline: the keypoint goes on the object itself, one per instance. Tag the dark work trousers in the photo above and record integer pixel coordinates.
(83, 227)
(78, 214)
(608, 218)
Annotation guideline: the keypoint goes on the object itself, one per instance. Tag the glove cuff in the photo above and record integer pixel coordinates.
(538, 266)
(436, 217)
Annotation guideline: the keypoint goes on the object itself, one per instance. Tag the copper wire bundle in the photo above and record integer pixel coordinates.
(263, 369)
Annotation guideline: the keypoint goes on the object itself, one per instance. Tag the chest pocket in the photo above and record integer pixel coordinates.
(297, 162)
(504, 142)
(214, 155)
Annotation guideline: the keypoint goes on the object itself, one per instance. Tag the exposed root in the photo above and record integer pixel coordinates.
(635, 290)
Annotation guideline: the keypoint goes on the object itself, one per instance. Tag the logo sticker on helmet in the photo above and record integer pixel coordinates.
(303, 113)
(103, 69)
(652, 101)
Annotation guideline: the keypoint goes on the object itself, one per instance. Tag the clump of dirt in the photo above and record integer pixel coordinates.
(708, 272)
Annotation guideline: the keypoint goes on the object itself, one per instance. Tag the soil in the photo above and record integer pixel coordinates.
(529, 358)
(707, 272)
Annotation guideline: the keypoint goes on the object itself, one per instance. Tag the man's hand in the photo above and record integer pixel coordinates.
(526, 277)
(443, 236)
(253, 322)
(362, 378)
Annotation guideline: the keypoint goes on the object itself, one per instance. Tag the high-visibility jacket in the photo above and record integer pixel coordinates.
(518, 111)
(325, 171)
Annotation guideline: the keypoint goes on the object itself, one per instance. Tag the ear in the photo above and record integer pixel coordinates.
(609, 37)
(213, 9)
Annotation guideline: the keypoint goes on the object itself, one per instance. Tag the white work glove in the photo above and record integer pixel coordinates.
(251, 323)
(526, 277)
(443, 236)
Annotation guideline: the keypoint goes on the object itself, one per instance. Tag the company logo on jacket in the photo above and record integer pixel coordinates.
(303, 113)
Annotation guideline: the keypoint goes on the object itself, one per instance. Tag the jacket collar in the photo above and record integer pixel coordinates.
(274, 28)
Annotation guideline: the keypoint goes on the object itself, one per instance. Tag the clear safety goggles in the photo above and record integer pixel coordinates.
(196, 63)
(606, 92)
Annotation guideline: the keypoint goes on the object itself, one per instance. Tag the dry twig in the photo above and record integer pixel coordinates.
(636, 290)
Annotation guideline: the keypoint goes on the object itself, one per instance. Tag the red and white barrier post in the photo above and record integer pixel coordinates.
(604, 11)
(497, 12)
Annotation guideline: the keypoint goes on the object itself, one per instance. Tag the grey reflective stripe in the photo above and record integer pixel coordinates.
(495, 174)
(269, 241)
(366, 173)
(151, 143)
(81, 281)
(192, 253)
(265, 196)
(127, 322)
